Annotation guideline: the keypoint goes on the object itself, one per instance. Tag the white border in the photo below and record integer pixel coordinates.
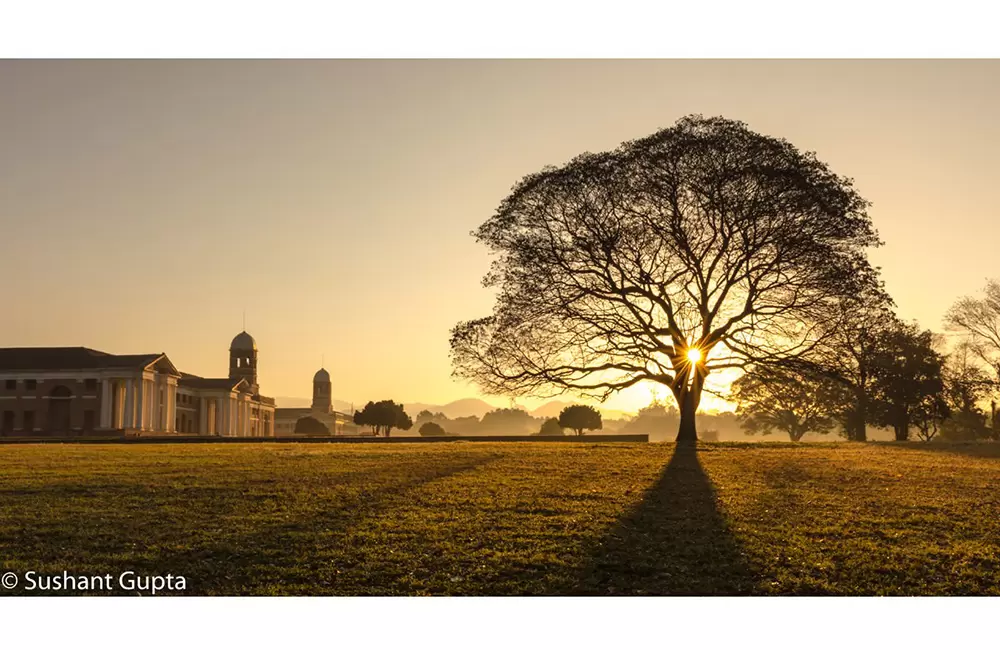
(502, 623)
(513, 28)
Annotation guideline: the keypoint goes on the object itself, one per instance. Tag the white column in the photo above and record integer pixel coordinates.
(116, 415)
(105, 404)
(129, 420)
(202, 415)
(140, 403)
(220, 421)
(154, 406)
(121, 403)
(226, 404)
(234, 416)
(171, 395)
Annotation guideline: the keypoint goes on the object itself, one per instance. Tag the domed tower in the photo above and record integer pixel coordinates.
(321, 392)
(243, 359)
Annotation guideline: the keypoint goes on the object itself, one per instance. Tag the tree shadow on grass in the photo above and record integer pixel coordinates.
(676, 542)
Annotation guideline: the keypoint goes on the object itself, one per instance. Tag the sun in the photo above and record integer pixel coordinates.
(694, 355)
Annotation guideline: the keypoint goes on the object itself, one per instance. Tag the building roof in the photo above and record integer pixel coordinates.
(243, 341)
(289, 412)
(321, 376)
(195, 382)
(77, 358)
(210, 383)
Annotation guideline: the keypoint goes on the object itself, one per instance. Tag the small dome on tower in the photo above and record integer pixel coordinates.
(243, 341)
(321, 376)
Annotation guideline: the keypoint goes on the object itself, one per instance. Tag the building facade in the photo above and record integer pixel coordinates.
(77, 390)
(335, 422)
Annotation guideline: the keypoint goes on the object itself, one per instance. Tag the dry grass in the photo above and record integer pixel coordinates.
(515, 518)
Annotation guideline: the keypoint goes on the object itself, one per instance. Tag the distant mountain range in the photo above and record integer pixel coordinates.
(458, 409)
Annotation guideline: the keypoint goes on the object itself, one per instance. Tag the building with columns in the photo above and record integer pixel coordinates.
(336, 423)
(67, 391)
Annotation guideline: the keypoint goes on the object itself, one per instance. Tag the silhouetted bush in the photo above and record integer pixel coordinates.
(432, 429)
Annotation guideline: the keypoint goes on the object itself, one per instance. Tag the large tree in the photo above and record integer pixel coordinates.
(770, 399)
(703, 247)
(852, 334)
(907, 379)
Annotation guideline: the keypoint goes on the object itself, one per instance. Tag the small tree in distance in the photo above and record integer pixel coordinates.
(551, 428)
(311, 425)
(383, 417)
(580, 417)
(432, 429)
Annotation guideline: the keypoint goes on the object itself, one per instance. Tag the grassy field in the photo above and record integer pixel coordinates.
(521, 518)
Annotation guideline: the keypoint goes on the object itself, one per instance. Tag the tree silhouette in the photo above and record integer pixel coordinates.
(432, 429)
(907, 380)
(702, 247)
(510, 421)
(383, 417)
(850, 336)
(580, 417)
(771, 399)
(551, 428)
(966, 385)
(979, 319)
(311, 425)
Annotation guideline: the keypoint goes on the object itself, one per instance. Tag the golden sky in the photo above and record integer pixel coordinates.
(145, 205)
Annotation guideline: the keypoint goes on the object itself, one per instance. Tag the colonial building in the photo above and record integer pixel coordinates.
(336, 423)
(59, 391)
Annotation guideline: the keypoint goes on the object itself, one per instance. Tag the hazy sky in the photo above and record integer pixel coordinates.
(145, 205)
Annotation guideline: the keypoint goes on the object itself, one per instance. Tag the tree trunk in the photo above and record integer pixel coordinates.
(902, 430)
(687, 391)
(687, 432)
(860, 424)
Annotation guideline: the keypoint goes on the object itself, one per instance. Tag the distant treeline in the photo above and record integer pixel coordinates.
(657, 420)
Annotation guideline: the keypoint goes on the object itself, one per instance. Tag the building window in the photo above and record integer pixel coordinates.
(29, 420)
(88, 420)
(8, 422)
(11, 384)
(31, 384)
(90, 384)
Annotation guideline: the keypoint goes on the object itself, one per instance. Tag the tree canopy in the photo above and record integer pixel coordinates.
(432, 429)
(703, 247)
(311, 425)
(580, 418)
(383, 417)
(770, 399)
(979, 318)
(907, 385)
(550, 428)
